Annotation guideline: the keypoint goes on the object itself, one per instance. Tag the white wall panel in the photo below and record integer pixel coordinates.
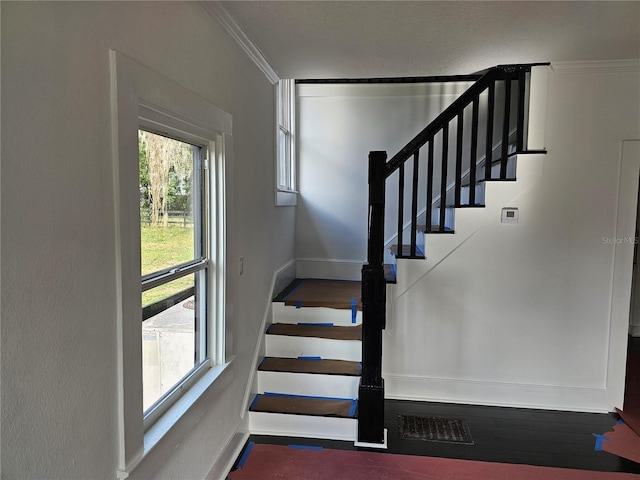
(59, 379)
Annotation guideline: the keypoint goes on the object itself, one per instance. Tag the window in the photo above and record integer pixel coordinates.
(285, 141)
(174, 267)
(170, 162)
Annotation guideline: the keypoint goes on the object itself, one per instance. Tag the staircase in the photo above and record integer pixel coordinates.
(322, 372)
(308, 379)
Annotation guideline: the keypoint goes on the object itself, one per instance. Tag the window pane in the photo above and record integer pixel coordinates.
(170, 335)
(282, 159)
(168, 188)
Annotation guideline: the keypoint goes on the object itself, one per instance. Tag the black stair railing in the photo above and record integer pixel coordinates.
(503, 131)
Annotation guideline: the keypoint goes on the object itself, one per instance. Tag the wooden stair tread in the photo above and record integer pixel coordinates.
(406, 251)
(318, 331)
(310, 365)
(301, 405)
(316, 292)
(434, 229)
(467, 205)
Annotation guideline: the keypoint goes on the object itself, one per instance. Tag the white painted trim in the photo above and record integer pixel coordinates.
(280, 424)
(136, 92)
(227, 458)
(281, 278)
(229, 24)
(293, 347)
(309, 384)
(379, 446)
(622, 272)
(537, 122)
(596, 66)
(286, 199)
(160, 428)
(546, 397)
(328, 268)
(338, 316)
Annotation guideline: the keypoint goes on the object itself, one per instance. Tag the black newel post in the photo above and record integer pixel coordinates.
(371, 390)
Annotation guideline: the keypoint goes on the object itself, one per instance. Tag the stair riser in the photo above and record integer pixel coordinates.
(293, 347)
(315, 385)
(290, 314)
(303, 426)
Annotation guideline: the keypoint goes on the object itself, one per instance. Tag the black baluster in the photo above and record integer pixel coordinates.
(458, 185)
(414, 201)
(428, 212)
(488, 159)
(504, 157)
(474, 152)
(521, 105)
(400, 252)
(443, 179)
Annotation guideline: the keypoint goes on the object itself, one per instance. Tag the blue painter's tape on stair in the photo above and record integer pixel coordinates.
(246, 453)
(359, 366)
(305, 447)
(309, 358)
(299, 304)
(255, 400)
(599, 440)
(294, 290)
(312, 324)
(354, 405)
(354, 310)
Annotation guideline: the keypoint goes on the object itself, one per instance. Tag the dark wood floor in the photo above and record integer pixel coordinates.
(510, 435)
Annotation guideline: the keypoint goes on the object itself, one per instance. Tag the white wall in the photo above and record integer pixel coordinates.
(59, 405)
(633, 148)
(338, 126)
(532, 314)
(520, 315)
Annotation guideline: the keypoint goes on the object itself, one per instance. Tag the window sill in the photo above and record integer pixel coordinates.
(157, 434)
(286, 198)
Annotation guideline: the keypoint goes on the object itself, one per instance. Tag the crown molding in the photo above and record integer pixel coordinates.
(597, 66)
(228, 23)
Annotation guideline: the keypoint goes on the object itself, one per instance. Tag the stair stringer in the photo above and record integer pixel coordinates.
(468, 221)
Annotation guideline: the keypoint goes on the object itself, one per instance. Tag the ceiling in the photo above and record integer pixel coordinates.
(364, 39)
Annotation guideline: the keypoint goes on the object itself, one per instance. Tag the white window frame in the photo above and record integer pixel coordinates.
(286, 164)
(144, 98)
(160, 124)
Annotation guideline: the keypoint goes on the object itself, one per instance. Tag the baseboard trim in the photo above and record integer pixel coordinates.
(334, 269)
(473, 392)
(227, 458)
(282, 276)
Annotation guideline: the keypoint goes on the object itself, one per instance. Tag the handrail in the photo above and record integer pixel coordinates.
(451, 111)
(371, 388)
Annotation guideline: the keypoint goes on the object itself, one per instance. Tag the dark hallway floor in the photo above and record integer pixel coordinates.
(509, 435)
